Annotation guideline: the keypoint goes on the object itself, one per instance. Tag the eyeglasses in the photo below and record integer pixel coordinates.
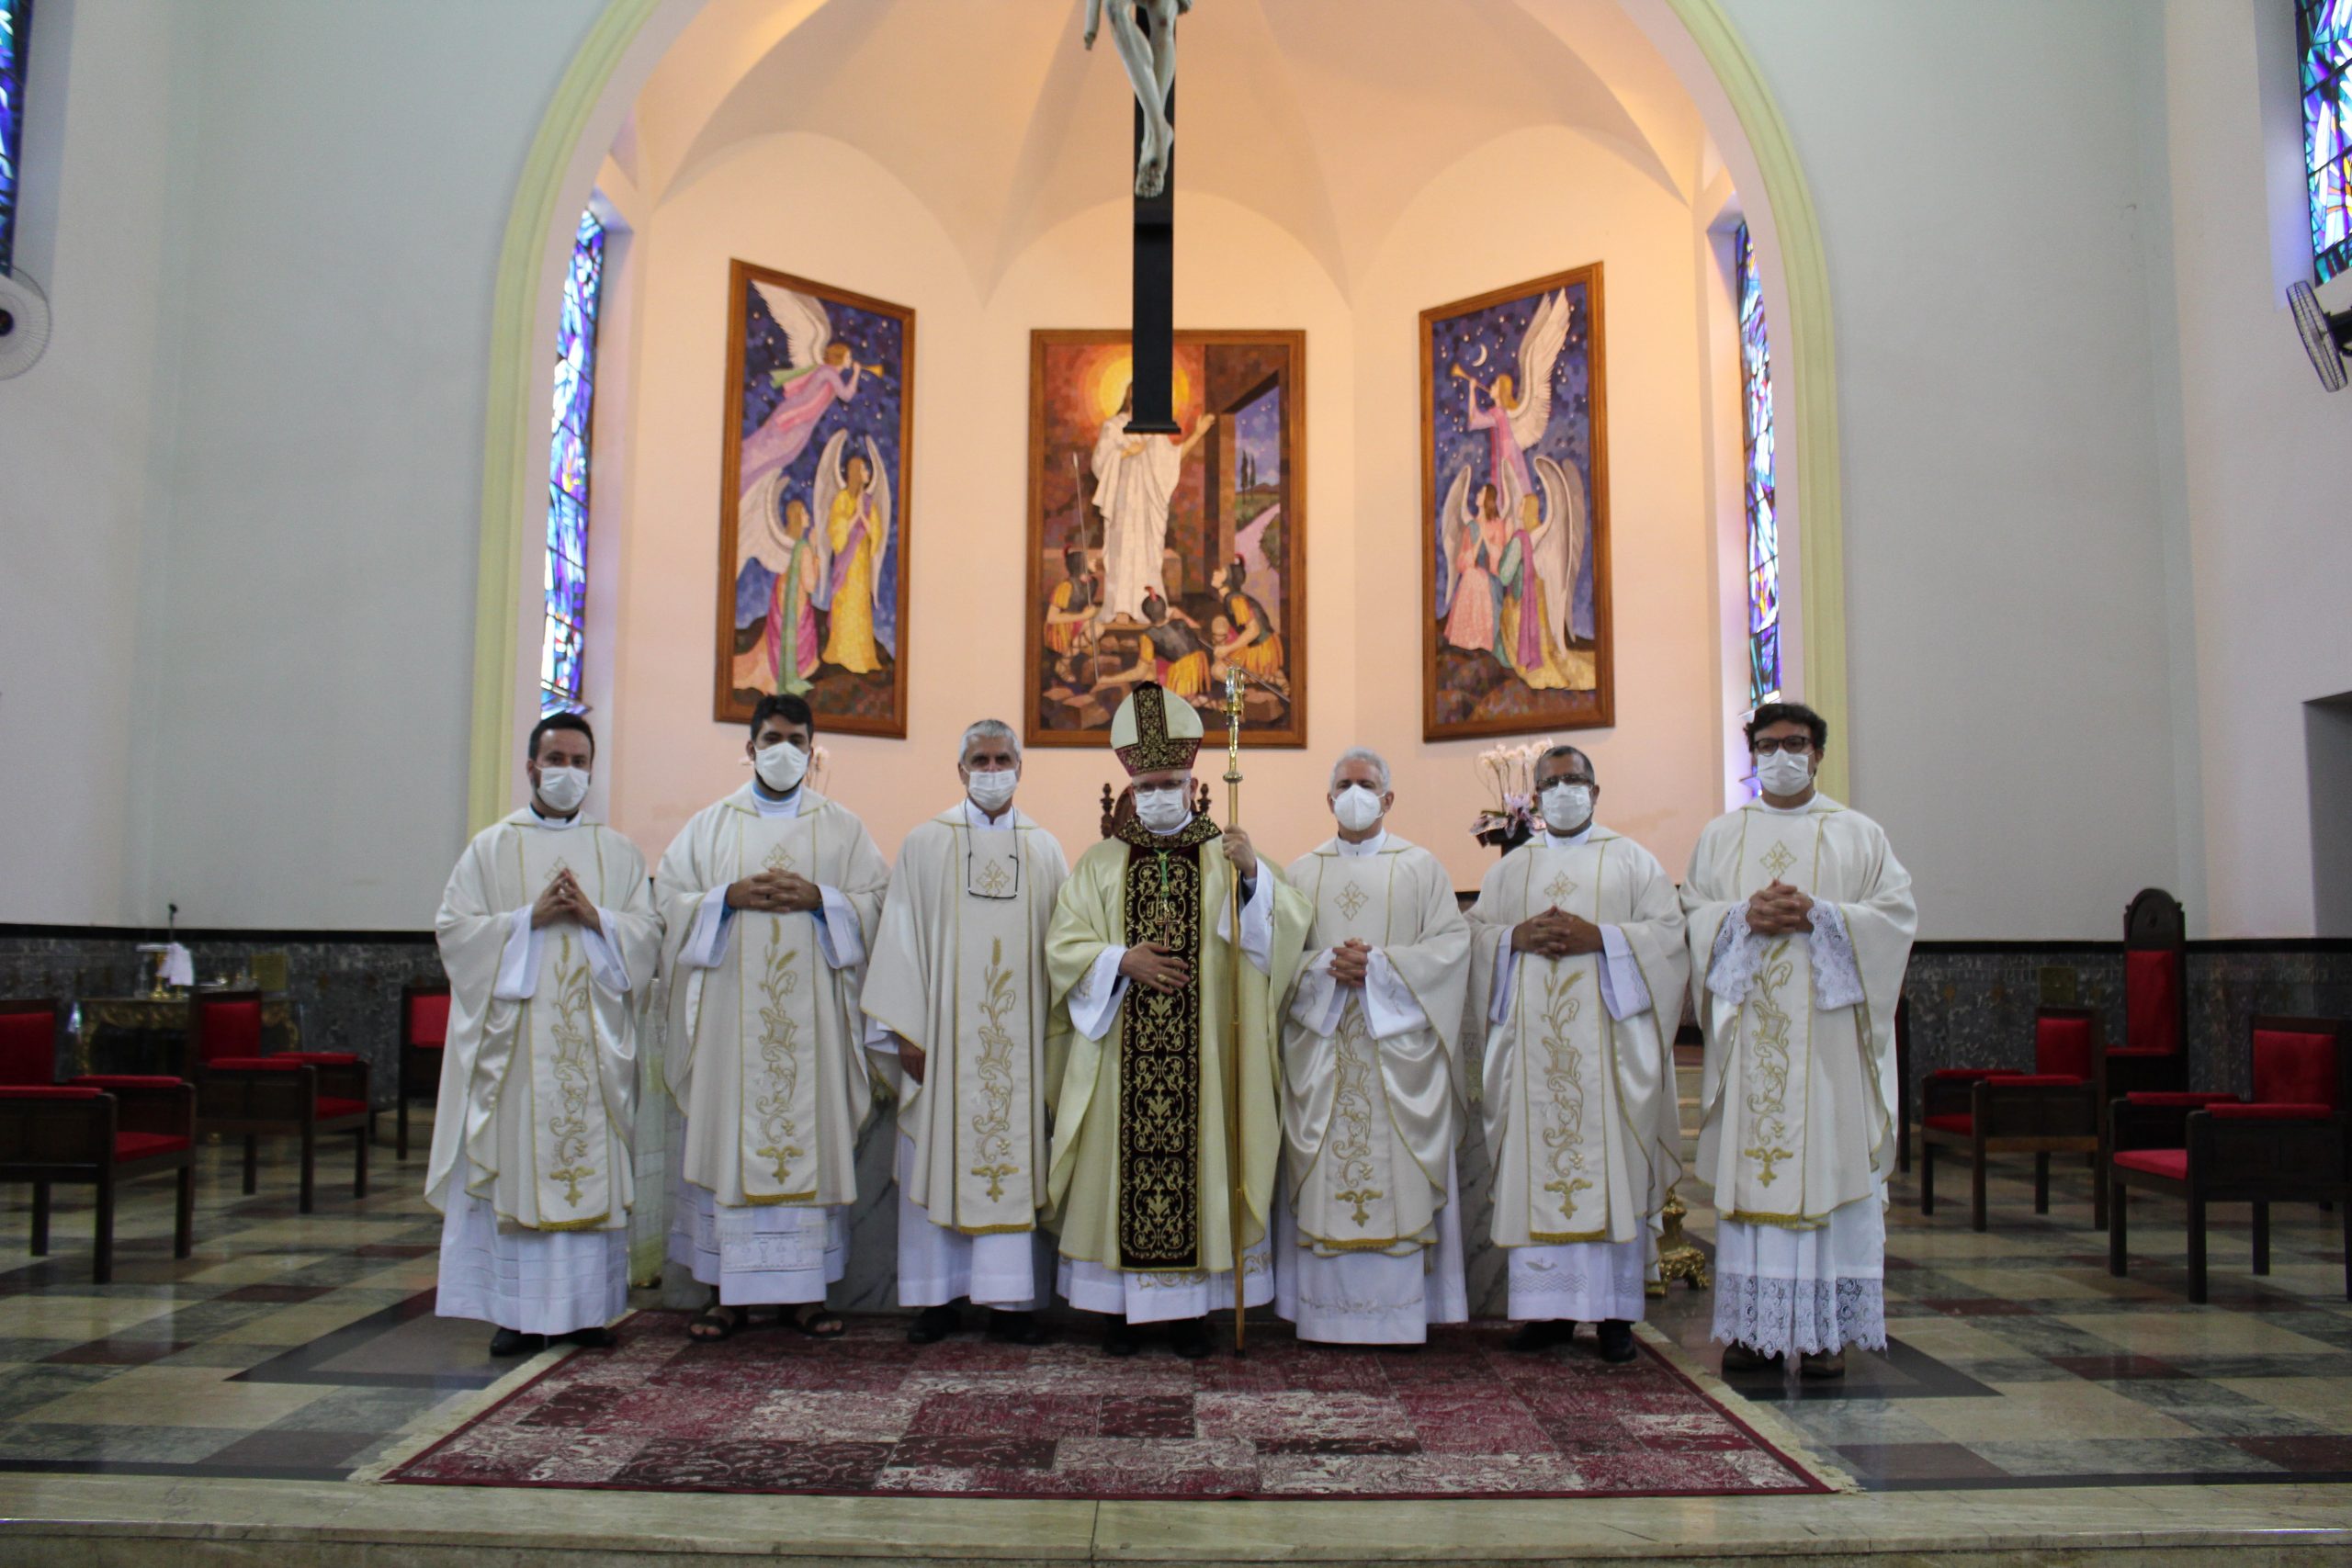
(1798, 745)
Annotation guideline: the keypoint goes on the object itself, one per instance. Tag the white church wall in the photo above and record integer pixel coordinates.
(2269, 460)
(1981, 183)
(76, 437)
(812, 206)
(302, 719)
(1473, 229)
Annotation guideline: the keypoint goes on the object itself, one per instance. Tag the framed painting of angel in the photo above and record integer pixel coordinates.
(1174, 558)
(1515, 503)
(813, 502)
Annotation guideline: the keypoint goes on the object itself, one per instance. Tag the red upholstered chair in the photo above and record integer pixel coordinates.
(294, 1094)
(424, 1028)
(2053, 1110)
(2289, 1143)
(102, 1130)
(29, 1041)
(2154, 1052)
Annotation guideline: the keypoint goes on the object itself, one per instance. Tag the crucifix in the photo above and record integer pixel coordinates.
(1145, 34)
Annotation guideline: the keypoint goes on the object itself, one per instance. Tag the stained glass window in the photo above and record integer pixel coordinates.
(2325, 35)
(16, 24)
(1763, 519)
(566, 580)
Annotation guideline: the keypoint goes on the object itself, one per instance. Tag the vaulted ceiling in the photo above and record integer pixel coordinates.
(1325, 116)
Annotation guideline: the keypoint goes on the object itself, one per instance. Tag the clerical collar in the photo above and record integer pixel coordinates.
(978, 819)
(788, 807)
(553, 824)
(1810, 801)
(1567, 840)
(1369, 847)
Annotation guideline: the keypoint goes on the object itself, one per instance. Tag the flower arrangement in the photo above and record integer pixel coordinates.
(1511, 773)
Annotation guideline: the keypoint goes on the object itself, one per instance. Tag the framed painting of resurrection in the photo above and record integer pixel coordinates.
(813, 502)
(1167, 557)
(1515, 512)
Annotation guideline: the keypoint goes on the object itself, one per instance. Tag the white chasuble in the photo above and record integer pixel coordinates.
(762, 1051)
(538, 1080)
(1798, 1093)
(958, 969)
(1578, 1104)
(1373, 1091)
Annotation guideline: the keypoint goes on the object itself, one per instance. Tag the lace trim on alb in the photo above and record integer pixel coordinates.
(1799, 1316)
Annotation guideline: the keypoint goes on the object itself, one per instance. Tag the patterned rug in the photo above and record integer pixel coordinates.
(869, 1414)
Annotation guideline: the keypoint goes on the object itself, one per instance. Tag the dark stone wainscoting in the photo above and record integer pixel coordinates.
(345, 985)
(1971, 1002)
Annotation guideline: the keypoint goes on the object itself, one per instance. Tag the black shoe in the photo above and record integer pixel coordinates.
(511, 1342)
(1120, 1339)
(1016, 1327)
(933, 1324)
(1541, 1334)
(1189, 1338)
(1617, 1341)
(591, 1338)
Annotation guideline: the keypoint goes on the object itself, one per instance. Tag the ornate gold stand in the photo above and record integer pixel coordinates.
(1678, 1257)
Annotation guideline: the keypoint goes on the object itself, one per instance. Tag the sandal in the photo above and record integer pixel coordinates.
(716, 1323)
(813, 1319)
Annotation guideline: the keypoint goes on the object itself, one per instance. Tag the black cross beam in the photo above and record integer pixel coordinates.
(1153, 339)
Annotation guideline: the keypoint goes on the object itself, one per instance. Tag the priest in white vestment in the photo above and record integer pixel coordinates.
(956, 992)
(1801, 920)
(548, 936)
(1368, 1222)
(1140, 958)
(1577, 974)
(770, 895)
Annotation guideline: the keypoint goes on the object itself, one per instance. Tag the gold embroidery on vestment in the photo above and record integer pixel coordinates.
(1766, 1109)
(779, 1052)
(1564, 1081)
(1160, 1067)
(1352, 1142)
(574, 1070)
(992, 1128)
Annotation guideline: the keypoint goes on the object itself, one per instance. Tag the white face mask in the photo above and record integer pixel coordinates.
(562, 789)
(780, 766)
(1567, 807)
(991, 789)
(1356, 807)
(1785, 773)
(1164, 810)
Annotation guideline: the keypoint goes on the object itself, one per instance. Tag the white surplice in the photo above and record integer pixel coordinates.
(1580, 1101)
(1797, 1099)
(763, 1051)
(1369, 1235)
(530, 1162)
(959, 971)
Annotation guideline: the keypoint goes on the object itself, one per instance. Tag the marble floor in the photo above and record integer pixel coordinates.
(301, 1351)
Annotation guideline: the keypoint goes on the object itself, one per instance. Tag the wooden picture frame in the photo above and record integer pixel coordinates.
(1485, 669)
(1221, 503)
(813, 600)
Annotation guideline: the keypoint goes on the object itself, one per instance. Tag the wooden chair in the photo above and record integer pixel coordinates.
(2154, 1052)
(2289, 1143)
(102, 1130)
(294, 1094)
(1981, 1111)
(424, 1032)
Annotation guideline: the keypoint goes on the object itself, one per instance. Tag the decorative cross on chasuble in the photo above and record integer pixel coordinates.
(780, 859)
(1353, 899)
(1560, 889)
(992, 880)
(560, 868)
(1778, 860)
